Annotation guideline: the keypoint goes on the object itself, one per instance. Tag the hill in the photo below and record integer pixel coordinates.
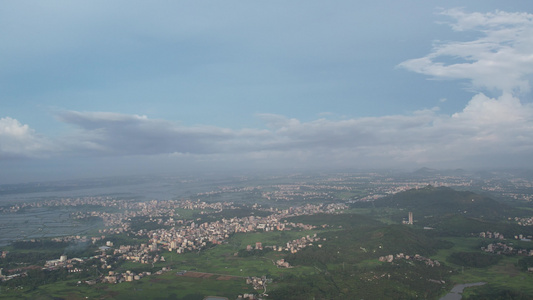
(346, 266)
(355, 245)
(441, 201)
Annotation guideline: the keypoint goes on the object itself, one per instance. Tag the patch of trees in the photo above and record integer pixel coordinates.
(524, 263)
(354, 245)
(388, 281)
(313, 256)
(473, 259)
(459, 225)
(14, 259)
(494, 293)
(36, 277)
(39, 245)
(81, 249)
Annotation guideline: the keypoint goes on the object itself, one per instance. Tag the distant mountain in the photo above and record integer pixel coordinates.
(458, 171)
(440, 201)
(425, 171)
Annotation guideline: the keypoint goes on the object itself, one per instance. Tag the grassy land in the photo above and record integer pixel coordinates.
(218, 260)
(166, 286)
(63, 289)
(222, 260)
(460, 245)
(172, 286)
(503, 275)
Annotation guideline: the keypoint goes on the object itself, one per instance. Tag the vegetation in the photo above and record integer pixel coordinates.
(495, 293)
(445, 201)
(253, 252)
(387, 281)
(39, 244)
(525, 263)
(474, 259)
(342, 263)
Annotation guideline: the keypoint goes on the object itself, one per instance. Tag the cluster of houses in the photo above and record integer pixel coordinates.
(491, 235)
(195, 237)
(502, 248)
(258, 282)
(291, 192)
(129, 209)
(298, 244)
(524, 221)
(143, 253)
(129, 276)
(247, 297)
(291, 246)
(417, 257)
(63, 262)
(281, 263)
(523, 237)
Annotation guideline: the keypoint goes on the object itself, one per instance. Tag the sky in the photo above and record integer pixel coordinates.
(97, 88)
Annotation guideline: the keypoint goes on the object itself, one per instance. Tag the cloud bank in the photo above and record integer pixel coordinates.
(490, 129)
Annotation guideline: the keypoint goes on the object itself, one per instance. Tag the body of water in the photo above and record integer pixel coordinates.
(457, 291)
(40, 222)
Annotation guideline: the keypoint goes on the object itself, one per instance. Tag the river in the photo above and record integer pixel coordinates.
(457, 291)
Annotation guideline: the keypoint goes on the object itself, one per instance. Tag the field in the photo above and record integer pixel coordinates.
(502, 276)
(165, 286)
(215, 271)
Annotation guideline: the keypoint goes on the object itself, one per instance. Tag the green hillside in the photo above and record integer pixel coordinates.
(347, 266)
(430, 201)
(355, 245)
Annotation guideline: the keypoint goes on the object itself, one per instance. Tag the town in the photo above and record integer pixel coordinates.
(134, 240)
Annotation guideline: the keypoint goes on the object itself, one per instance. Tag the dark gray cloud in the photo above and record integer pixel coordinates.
(120, 134)
(486, 125)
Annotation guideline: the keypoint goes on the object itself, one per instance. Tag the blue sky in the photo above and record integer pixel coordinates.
(91, 88)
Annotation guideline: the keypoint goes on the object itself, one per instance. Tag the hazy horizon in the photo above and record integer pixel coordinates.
(95, 89)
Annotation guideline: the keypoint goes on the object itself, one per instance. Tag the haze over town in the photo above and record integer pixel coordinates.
(97, 88)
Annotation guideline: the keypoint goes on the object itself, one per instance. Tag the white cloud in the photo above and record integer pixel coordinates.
(17, 140)
(500, 58)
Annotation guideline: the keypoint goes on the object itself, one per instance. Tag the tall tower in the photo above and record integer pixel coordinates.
(410, 218)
